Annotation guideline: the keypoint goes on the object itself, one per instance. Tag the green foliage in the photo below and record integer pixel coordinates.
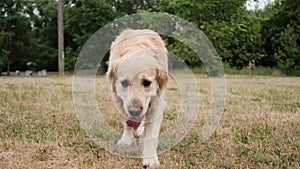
(3, 58)
(288, 52)
(15, 35)
(270, 36)
(82, 19)
(131, 6)
(282, 36)
(232, 29)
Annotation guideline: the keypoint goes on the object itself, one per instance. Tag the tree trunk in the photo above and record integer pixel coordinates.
(60, 22)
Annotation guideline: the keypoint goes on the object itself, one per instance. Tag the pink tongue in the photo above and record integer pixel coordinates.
(134, 123)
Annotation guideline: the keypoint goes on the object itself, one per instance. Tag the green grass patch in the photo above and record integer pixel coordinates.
(172, 89)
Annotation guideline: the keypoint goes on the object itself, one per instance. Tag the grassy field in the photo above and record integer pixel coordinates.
(260, 127)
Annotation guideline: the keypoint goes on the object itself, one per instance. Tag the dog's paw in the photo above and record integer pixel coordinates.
(151, 163)
(125, 140)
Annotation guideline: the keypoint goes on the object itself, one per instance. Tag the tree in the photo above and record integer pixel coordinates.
(288, 51)
(60, 22)
(82, 20)
(131, 6)
(15, 35)
(233, 30)
(44, 21)
(281, 35)
(270, 36)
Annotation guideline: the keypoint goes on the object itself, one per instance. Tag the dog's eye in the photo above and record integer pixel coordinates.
(146, 83)
(125, 83)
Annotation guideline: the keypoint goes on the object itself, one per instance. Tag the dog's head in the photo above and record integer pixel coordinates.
(136, 79)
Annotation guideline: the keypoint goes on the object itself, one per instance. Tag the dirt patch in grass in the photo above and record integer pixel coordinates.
(260, 127)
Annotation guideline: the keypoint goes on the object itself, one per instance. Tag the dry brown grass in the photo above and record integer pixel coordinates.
(260, 127)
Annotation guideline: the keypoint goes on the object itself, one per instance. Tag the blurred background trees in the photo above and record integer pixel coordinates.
(270, 36)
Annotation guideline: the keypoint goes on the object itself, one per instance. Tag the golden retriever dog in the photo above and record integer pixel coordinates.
(138, 74)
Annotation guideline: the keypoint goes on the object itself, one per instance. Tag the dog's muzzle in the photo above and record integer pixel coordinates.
(135, 110)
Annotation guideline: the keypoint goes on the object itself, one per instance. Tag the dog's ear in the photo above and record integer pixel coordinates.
(162, 78)
(112, 77)
(110, 74)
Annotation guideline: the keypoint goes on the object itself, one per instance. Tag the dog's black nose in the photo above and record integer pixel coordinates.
(135, 110)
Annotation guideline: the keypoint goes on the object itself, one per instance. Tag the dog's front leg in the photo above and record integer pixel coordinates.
(152, 128)
(127, 137)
